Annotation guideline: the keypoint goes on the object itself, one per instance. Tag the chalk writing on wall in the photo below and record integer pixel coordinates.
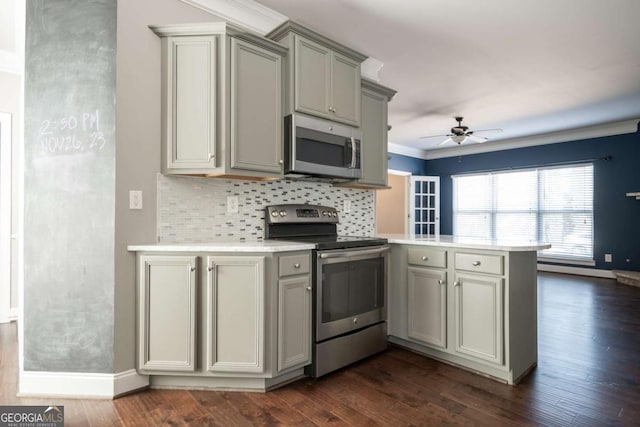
(72, 134)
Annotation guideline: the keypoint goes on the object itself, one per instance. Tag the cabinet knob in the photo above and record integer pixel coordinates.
(308, 288)
(425, 258)
(281, 161)
(355, 320)
(193, 269)
(210, 268)
(441, 282)
(211, 155)
(456, 283)
(475, 263)
(296, 265)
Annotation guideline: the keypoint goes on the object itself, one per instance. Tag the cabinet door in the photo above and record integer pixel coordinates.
(189, 114)
(312, 77)
(235, 314)
(256, 108)
(345, 90)
(478, 313)
(427, 306)
(167, 313)
(294, 322)
(374, 139)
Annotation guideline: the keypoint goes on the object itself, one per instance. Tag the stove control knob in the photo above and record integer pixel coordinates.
(283, 213)
(324, 213)
(274, 213)
(335, 214)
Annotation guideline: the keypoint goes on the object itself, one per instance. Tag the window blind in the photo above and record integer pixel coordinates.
(553, 205)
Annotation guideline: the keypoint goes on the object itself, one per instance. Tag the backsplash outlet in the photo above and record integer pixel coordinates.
(192, 209)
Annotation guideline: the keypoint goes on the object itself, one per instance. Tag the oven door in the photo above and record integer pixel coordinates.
(351, 291)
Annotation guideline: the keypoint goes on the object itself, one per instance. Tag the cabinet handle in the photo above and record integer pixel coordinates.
(456, 283)
(296, 265)
(441, 282)
(308, 288)
(475, 263)
(425, 258)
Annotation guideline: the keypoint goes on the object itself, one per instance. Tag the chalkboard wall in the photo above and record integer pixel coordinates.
(70, 76)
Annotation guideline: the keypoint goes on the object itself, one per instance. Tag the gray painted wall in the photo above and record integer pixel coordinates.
(69, 185)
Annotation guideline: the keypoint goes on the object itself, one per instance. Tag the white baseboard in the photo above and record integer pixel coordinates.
(580, 271)
(80, 385)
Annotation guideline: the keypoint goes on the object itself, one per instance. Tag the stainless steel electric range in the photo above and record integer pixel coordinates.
(349, 284)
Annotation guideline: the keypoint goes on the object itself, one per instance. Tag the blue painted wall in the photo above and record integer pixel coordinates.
(616, 216)
(407, 164)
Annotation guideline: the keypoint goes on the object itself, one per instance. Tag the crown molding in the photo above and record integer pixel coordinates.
(244, 13)
(407, 151)
(597, 131)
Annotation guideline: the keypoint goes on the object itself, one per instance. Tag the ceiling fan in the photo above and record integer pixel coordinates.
(460, 134)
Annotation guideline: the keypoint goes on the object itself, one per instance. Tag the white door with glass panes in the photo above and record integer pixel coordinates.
(425, 206)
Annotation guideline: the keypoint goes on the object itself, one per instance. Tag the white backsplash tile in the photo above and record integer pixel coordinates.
(192, 209)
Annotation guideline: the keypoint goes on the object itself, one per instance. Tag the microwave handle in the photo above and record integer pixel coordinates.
(353, 153)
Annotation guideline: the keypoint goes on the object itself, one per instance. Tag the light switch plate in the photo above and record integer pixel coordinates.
(608, 258)
(135, 199)
(347, 206)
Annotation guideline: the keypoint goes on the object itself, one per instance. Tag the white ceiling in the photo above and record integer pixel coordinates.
(529, 67)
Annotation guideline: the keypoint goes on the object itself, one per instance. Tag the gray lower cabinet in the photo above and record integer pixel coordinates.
(478, 308)
(223, 320)
(221, 101)
(472, 308)
(234, 317)
(427, 306)
(294, 311)
(167, 313)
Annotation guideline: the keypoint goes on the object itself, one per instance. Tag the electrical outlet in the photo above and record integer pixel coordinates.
(232, 204)
(135, 199)
(607, 258)
(347, 206)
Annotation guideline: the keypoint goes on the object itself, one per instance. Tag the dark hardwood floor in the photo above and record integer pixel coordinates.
(588, 374)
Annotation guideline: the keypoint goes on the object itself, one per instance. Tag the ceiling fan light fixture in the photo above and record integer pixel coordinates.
(458, 139)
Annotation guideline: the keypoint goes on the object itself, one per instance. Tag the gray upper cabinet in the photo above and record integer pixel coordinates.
(375, 98)
(221, 101)
(323, 76)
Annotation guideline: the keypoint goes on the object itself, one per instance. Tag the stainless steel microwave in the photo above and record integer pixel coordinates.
(320, 147)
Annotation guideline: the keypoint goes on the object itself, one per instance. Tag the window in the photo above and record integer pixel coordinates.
(553, 205)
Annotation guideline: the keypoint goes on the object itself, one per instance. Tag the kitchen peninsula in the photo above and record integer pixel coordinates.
(466, 301)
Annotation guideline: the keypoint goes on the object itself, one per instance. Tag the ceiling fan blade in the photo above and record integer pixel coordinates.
(434, 136)
(475, 138)
(445, 141)
(488, 130)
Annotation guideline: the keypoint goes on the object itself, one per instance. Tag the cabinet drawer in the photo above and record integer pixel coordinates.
(491, 264)
(293, 264)
(428, 257)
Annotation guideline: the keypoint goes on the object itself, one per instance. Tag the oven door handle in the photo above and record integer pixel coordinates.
(345, 254)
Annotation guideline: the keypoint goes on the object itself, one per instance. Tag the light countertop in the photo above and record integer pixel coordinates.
(467, 242)
(225, 246)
